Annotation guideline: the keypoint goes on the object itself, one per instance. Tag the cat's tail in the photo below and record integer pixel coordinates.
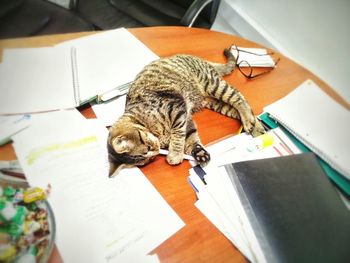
(230, 57)
(231, 60)
(225, 69)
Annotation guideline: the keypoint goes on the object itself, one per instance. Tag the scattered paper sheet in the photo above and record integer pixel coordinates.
(110, 112)
(30, 83)
(98, 219)
(10, 125)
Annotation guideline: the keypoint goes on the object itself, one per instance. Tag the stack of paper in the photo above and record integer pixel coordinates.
(214, 189)
(98, 219)
(270, 206)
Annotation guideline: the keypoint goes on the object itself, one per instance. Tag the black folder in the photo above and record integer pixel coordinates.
(292, 208)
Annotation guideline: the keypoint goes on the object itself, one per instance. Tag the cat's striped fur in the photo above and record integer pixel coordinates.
(159, 109)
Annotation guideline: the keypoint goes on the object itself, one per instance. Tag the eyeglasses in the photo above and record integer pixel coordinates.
(245, 67)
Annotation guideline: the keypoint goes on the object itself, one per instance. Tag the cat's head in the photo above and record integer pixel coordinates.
(129, 145)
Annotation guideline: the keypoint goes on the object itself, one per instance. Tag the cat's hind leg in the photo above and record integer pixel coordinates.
(221, 107)
(224, 92)
(193, 145)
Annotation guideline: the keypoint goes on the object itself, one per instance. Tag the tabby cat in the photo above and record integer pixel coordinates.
(159, 108)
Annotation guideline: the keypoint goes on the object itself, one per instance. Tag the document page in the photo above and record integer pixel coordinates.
(98, 219)
(36, 79)
(109, 112)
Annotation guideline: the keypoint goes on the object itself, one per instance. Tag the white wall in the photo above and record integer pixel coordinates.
(314, 33)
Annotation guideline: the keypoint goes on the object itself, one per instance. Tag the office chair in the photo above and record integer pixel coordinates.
(22, 18)
(109, 14)
(141, 13)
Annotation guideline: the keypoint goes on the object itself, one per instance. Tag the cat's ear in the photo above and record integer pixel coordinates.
(121, 145)
(114, 168)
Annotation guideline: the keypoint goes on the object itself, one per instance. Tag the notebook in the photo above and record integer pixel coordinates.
(342, 182)
(290, 210)
(72, 73)
(317, 121)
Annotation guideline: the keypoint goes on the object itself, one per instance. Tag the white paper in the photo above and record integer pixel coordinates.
(214, 204)
(110, 112)
(254, 246)
(10, 125)
(36, 79)
(98, 219)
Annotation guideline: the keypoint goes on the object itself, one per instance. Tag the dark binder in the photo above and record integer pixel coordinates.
(294, 211)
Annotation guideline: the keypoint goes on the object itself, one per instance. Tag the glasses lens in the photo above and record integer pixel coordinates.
(245, 68)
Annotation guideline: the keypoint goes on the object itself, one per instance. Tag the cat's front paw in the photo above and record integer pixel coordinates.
(174, 158)
(200, 155)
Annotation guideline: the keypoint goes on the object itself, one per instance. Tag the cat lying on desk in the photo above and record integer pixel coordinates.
(159, 108)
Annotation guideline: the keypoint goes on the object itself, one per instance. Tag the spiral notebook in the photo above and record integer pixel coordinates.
(317, 121)
(70, 74)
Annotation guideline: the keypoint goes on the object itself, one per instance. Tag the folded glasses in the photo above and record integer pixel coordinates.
(246, 68)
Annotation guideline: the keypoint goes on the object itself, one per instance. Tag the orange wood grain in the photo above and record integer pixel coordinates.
(199, 240)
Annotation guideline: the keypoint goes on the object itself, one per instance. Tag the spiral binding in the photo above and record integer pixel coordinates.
(75, 76)
(311, 146)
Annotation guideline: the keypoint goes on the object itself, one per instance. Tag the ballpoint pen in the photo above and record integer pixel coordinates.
(11, 168)
(121, 90)
(186, 156)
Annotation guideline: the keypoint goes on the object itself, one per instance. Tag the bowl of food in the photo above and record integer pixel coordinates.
(27, 224)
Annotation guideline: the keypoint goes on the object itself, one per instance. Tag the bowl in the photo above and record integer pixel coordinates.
(36, 237)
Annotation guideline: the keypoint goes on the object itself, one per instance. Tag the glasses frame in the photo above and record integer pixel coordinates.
(250, 75)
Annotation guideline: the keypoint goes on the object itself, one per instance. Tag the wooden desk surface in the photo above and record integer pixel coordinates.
(199, 240)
